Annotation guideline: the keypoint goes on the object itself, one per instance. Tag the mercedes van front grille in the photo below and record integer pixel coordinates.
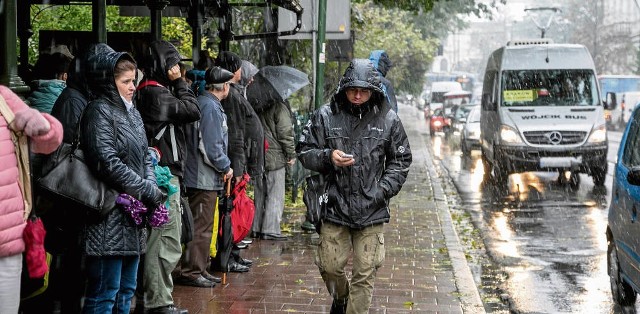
(555, 137)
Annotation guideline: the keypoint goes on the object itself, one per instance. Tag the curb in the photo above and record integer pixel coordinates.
(469, 294)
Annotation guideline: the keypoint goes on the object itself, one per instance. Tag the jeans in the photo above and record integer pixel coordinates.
(10, 270)
(111, 284)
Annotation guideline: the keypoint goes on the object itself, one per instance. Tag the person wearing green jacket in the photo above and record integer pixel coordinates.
(269, 196)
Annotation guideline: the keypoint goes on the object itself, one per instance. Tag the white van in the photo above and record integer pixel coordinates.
(436, 96)
(541, 111)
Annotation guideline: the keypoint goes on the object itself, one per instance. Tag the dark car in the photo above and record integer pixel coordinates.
(623, 229)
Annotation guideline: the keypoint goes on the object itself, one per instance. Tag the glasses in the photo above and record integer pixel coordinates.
(355, 90)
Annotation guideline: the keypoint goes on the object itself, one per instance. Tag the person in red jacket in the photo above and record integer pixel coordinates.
(45, 135)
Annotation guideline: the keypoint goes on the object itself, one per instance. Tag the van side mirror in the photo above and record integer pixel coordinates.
(633, 177)
(610, 103)
(487, 103)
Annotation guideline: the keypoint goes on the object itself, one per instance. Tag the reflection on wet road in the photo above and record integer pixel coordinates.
(546, 233)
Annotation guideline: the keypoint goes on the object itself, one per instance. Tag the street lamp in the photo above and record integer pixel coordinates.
(544, 28)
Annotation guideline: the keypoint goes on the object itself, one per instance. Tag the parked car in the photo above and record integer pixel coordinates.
(439, 122)
(623, 229)
(470, 135)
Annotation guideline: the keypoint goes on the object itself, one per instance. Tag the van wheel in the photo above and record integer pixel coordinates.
(599, 175)
(621, 291)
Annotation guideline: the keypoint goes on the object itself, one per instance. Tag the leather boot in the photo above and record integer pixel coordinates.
(338, 307)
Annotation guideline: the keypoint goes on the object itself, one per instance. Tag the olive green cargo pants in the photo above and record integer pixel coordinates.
(334, 248)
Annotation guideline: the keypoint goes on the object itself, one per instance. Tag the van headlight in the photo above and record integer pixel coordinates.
(598, 135)
(509, 135)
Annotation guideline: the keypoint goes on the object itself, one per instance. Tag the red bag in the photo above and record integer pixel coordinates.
(35, 255)
(243, 210)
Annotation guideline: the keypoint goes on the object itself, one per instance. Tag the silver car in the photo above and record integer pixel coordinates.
(470, 139)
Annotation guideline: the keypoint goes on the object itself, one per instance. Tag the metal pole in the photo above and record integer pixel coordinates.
(322, 16)
(99, 21)
(8, 35)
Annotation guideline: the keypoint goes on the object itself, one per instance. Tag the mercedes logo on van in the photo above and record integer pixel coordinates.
(554, 137)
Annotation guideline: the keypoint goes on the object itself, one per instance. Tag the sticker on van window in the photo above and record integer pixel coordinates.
(518, 95)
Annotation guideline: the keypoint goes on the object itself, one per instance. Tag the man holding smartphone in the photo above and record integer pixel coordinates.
(361, 148)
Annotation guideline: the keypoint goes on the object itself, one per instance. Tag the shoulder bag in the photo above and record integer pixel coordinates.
(66, 176)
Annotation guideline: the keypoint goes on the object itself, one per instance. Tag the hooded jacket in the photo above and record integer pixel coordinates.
(166, 109)
(45, 93)
(381, 61)
(115, 148)
(246, 135)
(358, 194)
(73, 99)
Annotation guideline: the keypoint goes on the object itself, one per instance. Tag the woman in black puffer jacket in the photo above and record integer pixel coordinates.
(115, 145)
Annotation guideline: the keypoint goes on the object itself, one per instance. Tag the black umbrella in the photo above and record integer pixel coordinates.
(274, 84)
(225, 238)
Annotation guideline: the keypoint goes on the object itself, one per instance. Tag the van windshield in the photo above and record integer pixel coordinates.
(549, 88)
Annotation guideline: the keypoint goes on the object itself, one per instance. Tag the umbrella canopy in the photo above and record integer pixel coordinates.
(274, 84)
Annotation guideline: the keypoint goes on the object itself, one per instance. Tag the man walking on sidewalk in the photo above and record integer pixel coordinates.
(361, 148)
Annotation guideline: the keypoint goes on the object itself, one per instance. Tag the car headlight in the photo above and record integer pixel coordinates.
(509, 135)
(598, 135)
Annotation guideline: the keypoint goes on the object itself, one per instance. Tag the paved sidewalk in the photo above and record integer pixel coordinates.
(425, 270)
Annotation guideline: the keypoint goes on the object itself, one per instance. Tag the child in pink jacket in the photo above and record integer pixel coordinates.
(45, 135)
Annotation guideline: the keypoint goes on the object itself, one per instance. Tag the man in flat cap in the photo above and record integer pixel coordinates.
(207, 167)
(246, 137)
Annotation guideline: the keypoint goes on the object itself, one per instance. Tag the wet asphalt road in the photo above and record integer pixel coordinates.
(544, 238)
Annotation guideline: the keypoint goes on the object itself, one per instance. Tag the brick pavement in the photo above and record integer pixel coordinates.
(425, 270)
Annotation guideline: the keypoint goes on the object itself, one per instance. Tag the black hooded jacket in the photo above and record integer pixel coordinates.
(169, 106)
(115, 148)
(358, 194)
(246, 135)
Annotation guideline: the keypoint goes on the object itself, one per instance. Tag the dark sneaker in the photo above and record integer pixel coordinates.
(307, 226)
(274, 237)
(198, 282)
(236, 267)
(170, 309)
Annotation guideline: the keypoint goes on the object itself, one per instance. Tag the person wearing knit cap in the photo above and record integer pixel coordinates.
(207, 168)
(246, 138)
(167, 105)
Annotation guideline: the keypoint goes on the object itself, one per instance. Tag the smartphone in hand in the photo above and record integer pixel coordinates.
(346, 156)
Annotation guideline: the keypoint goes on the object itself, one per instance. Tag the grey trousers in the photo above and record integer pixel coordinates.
(269, 202)
(334, 248)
